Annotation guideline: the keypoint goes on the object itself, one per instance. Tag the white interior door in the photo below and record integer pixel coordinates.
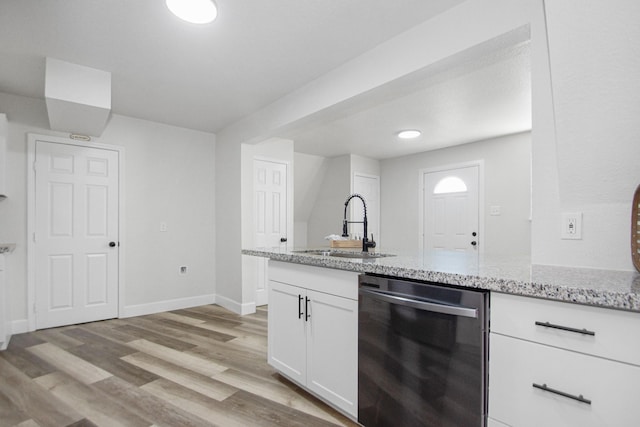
(270, 216)
(451, 212)
(76, 234)
(368, 186)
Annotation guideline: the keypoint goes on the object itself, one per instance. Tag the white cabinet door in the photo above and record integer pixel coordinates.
(516, 365)
(3, 153)
(287, 335)
(4, 318)
(313, 331)
(332, 349)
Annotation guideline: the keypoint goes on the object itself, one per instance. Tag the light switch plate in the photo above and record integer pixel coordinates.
(571, 226)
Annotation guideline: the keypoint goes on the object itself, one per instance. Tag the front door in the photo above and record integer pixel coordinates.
(451, 209)
(76, 234)
(270, 216)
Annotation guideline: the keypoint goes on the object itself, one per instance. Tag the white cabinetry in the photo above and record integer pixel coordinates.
(313, 330)
(561, 364)
(3, 154)
(4, 332)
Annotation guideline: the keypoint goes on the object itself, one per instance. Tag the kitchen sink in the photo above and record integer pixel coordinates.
(343, 254)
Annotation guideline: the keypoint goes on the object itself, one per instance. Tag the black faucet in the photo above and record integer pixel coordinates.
(366, 244)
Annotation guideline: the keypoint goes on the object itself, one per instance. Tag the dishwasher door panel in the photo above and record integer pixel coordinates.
(418, 367)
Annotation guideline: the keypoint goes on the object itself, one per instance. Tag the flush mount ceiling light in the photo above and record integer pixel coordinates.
(194, 11)
(409, 134)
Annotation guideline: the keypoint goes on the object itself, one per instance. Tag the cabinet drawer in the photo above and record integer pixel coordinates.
(515, 365)
(615, 332)
(336, 282)
(495, 423)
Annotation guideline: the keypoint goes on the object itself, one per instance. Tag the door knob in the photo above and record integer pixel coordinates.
(474, 243)
(112, 244)
(283, 239)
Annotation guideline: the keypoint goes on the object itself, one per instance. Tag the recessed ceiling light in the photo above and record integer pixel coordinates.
(194, 11)
(409, 134)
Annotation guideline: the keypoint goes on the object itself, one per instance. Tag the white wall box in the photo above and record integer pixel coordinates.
(78, 98)
(577, 370)
(313, 330)
(3, 155)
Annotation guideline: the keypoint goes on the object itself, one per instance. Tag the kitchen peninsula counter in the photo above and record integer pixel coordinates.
(505, 274)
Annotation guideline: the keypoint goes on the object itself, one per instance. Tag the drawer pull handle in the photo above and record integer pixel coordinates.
(300, 313)
(566, 328)
(579, 398)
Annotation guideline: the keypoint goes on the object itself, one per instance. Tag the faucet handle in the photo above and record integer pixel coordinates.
(370, 243)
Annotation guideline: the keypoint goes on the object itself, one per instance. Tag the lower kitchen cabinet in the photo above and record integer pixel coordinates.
(4, 318)
(313, 334)
(287, 349)
(597, 392)
(549, 372)
(493, 423)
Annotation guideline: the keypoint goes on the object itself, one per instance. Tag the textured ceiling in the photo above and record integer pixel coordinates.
(199, 77)
(480, 95)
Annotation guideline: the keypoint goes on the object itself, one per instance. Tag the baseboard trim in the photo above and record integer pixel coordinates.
(19, 326)
(168, 305)
(15, 327)
(236, 307)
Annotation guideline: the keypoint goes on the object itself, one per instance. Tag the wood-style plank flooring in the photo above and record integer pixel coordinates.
(202, 366)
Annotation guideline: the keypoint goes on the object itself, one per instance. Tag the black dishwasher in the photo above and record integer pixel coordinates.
(421, 354)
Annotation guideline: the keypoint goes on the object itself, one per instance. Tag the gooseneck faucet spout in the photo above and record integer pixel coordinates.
(366, 243)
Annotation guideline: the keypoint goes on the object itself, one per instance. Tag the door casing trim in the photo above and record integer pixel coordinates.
(31, 223)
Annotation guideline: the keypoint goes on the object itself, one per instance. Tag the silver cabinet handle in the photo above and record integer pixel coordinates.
(455, 310)
(579, 398)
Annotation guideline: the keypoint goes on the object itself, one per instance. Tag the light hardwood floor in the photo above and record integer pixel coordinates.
(202, 366)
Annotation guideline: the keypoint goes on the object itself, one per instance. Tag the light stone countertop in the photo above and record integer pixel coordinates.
(512, 275)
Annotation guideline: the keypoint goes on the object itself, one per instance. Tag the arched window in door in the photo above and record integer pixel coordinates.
(450, 184)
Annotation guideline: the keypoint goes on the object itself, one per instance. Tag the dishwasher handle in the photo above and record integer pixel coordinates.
(455, 310)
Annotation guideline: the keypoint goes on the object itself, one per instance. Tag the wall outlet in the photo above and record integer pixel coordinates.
(571, 226)
(183, 269)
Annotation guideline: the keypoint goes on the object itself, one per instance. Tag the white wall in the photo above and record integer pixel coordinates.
(169, 177)
(604, 35)
(507, 168)
(308, 178)
(364, 165)
(333, 183)
(595, 65)
(402, 57)
(328, 209)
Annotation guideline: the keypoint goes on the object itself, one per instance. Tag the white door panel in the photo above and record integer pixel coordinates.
(76, 217)
(368, 186)
(270, 216)
(451, 214)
